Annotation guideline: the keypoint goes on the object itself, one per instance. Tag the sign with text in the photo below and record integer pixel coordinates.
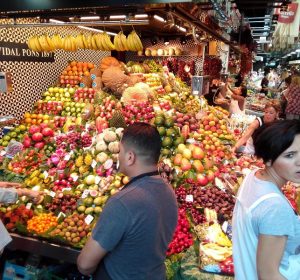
(289, 15)
(11, 51)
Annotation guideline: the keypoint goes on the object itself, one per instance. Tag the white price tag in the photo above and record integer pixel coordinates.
(67, 157)
(52, 193)
(45, 174)
(189, 198)
(225, 226)
(2, 153)
(66, 189)
(74, 177)
(61, 214)
(94, 163)
(28, 205)
(85, 193)
(97, 180)
(220, 184)
(88, 219)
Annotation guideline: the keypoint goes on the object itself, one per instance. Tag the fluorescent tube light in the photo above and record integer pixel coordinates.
(56, 21)
(141, 16)
(118, 17)
(159, 18)
(90, 18)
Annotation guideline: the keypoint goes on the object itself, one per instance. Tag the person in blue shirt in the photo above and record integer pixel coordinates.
(266, 229)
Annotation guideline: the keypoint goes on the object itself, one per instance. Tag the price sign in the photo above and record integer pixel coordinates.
(189, 198)
(85, 193)
(52, 193)
(94, 163)
(61, 214)
(88, 219)
(45, 173)
(28, 205)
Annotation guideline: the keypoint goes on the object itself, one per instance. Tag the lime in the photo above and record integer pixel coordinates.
(166, 152)
(13, 134)
(17, 130)
(171, 132)
(6, 138)
(161, 130)
(167, 142)
(178, 140)
(169, 122)
(4, 143)
(159, 120)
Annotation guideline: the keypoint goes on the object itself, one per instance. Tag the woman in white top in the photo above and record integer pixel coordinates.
(266, 229)
(271, 113)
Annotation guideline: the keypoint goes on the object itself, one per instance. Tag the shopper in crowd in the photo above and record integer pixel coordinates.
(9, 193)
(213, 89)
(292, 96)
(265, 82)
(271, 113)
(266, 229)
(130, 239)
(238, 99)
(239, 79)
(283, 99)
(222, 96)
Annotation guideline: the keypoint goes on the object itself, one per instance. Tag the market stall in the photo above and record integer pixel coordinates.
(65, 141)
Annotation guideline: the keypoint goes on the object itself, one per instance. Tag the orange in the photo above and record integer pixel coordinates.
(28, 120)
(79, 64)
(34, 116)
(74, 68)
(84, 64)
(90, 65)
(73, 63)
(69, 68)
(65, 72)
(46, 117)
(27, 115)
(33, 121)
(70, 73)
(84, 68)
(86, 73)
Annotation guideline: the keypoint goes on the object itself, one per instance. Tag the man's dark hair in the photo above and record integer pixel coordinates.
(144, 139)
(288, 80)
(271, 140)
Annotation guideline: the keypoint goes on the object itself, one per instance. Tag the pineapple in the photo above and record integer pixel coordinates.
(88, 159)
(117, 120)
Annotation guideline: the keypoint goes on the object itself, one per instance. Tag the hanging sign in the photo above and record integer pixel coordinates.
(12, 51)
(289, 15)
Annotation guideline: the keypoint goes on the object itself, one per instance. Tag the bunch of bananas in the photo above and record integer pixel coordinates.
(215, 251)
(41, 43)
(134, 42)
(69, 44)
(120, 42)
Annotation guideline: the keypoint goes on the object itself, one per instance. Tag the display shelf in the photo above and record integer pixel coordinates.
(182, 55)
(5, 120)
(43, 248)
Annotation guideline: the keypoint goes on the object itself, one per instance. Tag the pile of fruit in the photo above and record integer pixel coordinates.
(71, 153)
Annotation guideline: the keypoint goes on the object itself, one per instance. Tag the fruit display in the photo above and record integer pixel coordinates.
(72, 229)
(71, 145)
(182, 238)
(138, 111)
(41, 223)
(19, 215)
(17, 133)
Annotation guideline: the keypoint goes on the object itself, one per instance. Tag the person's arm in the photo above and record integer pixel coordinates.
(246, 135)
(269, 254)
(11, 195)
(90, 256)
(10, 185)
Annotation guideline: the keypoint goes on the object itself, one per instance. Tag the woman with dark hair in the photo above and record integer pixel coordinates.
(271, 113)
(266, 229)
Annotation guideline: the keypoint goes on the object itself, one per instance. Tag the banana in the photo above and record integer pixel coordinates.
(79, 41)
(30, 44)
(130, 43)
(94, 43)
(108, 42)
(50, 43)
(74, 47)
(98, 42)
(89, 41)
(123, 41)
(85, 43)
(104, 43)
(57, 41)
(116, 43)
(137, 41)
(37, 44)
(44, 44)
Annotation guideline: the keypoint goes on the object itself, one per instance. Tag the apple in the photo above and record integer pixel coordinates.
(185, 165)
(39, 145)
(197, 164)
(37, 137)
(178, 159)
(197, 153)
(210, 175)
(187, 153)
(202, 180)
(181, 148)
(34, 129)
(47, 132)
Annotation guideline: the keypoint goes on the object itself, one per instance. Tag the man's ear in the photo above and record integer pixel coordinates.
(131, 158)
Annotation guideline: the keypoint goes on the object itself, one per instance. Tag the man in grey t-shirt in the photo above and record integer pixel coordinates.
(137, 224)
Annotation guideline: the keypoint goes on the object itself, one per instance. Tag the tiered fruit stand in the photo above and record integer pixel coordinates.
(70, 146)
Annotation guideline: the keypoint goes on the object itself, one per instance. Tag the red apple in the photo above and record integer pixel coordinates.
(185, 165)
(34, 129)
(39, 145)
(202, 180)
(210, 175)
(37, 137)
(47, 132)
(197, 153)
(198, 166)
